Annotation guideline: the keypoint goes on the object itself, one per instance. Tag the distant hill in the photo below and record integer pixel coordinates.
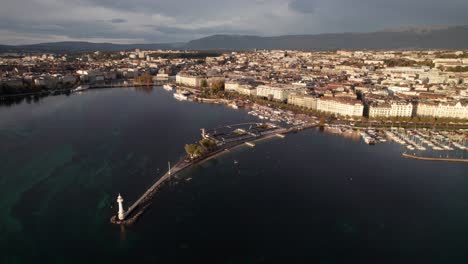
(74, 46)
(410, 38)
(455, 37)
(5, 48)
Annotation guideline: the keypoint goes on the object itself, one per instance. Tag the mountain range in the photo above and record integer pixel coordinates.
(454, 37)
(78, 46)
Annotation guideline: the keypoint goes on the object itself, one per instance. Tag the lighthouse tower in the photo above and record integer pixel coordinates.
(121, 214)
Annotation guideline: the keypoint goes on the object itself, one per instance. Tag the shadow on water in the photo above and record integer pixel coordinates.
(144, 89)
(17, 100)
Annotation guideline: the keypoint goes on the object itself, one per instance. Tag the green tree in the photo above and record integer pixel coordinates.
(193, 150)
(322, 121)
(217, 86)
(207, 144)
(145, 79)
(204, 83)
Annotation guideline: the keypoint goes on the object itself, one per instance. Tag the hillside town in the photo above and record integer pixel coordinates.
(378, 85)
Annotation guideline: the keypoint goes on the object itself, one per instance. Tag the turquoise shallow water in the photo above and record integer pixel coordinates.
(308, 198)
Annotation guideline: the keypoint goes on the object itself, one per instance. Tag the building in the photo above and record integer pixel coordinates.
(190, 80)
(397, 89)
(277, 92)
(340, 106)
(379, 110)
(162, 77)
(121, 213)
(215, 78)
(303, 100)
(242, 87)
(442, 110)
(390, 109)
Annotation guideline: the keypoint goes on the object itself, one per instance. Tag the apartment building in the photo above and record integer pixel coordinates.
(190, 80)
(442, 110)
(240, 87)
(340, 106)
(302, 100)
(277, 92)
(390, 109)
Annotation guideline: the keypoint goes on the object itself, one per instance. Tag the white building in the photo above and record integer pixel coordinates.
(162, 77)
(396, 89)
(340, 106)
(240, 87)
(442, 110)
(189, 80)
(277, 92)
(392, 109)
(303, 100)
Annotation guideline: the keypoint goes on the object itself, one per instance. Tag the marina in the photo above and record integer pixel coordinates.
(421, 142)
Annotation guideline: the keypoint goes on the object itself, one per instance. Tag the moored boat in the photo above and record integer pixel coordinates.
(80, 88)
(183, 96)
(168, 87)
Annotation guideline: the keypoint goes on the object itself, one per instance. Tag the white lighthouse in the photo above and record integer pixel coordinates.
(121, 214)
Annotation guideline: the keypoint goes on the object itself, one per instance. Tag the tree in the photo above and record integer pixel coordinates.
(205, 92)
(458, 69)
(193, 150)
(322, 121)
(207, 144)
(144, 79)
(204, 83)
(217, 86)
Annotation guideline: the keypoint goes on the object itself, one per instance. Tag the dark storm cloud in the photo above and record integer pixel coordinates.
(85, 29)
(182, 20)
(373, 15)
(203, 31)
(118, 20)
(303, 6)
(388, 11)
(167, 7)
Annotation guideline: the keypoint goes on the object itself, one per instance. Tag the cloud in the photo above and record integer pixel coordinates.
(221, 29)
(303, 6)
(118, 20)
(184, 20)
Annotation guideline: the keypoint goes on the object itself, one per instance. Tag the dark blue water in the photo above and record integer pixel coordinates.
(308, 198)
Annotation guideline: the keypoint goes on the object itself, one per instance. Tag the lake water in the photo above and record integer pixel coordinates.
(308, 198)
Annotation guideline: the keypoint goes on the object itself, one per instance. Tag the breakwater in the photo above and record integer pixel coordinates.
(406, 155)
(141, 204)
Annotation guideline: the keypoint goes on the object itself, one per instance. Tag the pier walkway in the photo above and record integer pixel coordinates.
(406, 155)
(137, 208)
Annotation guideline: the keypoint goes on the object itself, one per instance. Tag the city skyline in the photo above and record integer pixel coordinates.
(144, 21)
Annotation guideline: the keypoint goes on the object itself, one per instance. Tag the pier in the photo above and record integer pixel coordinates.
(129, 216)
(140, 205)
(406, 155)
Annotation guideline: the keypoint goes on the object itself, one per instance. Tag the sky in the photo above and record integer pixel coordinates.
(163, 21)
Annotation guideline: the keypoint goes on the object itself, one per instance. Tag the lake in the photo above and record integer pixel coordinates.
(308, 198)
